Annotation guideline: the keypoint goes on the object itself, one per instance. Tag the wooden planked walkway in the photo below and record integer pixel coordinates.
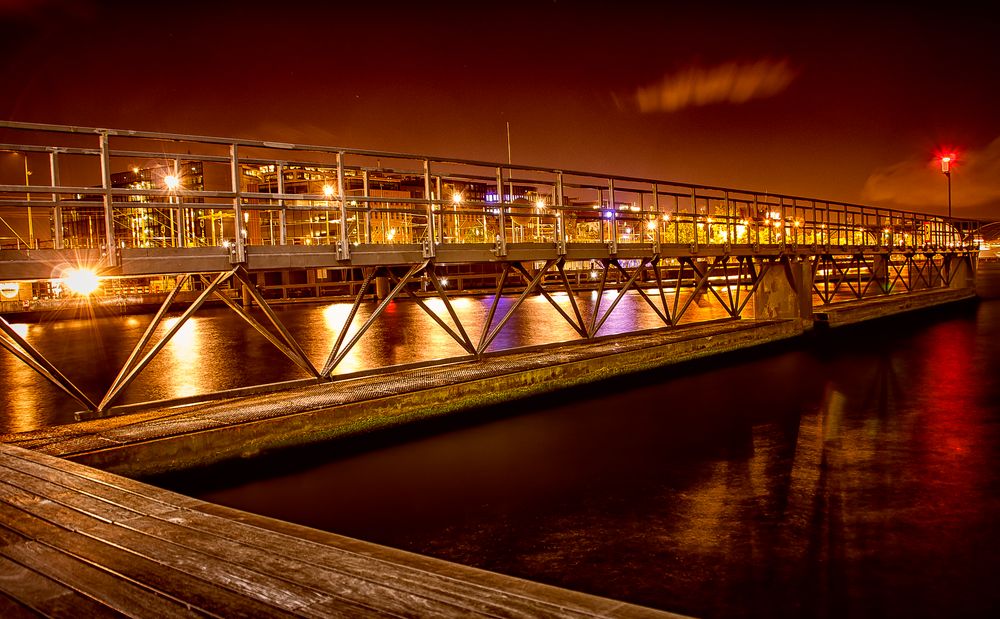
(77, 541)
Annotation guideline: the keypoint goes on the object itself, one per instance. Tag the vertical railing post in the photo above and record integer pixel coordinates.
(756, 224)
(430, 250)
(282, 214)
(238, 253)
(501, 242)
(730, 225)
(368, 207)
(343, 244)
(181, 223)
(694, 219)
(613, 242)
(109, 220)
(784, 222)
(657, 237)
(560, 216)
(57, 214)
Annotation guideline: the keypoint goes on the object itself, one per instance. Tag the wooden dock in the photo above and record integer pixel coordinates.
(79, 542)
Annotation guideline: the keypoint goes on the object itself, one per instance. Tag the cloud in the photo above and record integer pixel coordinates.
(918, 184)
(732, 83)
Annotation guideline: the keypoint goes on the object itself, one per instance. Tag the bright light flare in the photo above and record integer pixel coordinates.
(171, 181)
(328, 190)
(81, 281)
(456, 198)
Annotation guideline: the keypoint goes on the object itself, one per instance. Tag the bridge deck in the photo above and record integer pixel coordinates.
(79, 541)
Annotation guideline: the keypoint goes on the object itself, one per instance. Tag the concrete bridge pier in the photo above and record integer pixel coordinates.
(880, 273)
(785, 291)
(961, 271)
(381, 287)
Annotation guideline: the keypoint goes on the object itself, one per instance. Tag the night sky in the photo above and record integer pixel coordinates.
(847, 104)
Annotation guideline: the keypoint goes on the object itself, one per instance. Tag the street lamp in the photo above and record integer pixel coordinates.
(946, 169)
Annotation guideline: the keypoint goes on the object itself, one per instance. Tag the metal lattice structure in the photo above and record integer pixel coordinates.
(209, 213)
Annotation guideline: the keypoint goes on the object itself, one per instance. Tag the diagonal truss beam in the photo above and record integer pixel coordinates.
(493, 307)
(572, 297)
(350, 318)
(577, 326)
(755, 279)
(28, 354)
(462, 338)
(146, 336)
(621, 293)
(655, 263)
(488, 338)
(337, 354)
(286, 343)
(701, 280)
(638, 288)
(115, 391)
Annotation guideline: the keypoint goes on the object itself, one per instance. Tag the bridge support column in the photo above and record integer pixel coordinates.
(961, 271)
(785, 291)
(381, 287)
(880, 273)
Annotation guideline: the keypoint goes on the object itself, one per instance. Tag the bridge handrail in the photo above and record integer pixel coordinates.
(828, 221)
(54, 128)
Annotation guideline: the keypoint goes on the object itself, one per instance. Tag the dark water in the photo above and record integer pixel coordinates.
(851, 475)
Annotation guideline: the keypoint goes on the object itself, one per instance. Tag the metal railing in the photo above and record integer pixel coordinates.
(114, 190)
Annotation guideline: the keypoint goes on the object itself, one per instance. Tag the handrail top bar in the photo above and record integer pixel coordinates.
(129, 133)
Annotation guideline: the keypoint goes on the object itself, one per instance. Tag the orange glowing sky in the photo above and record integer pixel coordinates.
(848, 104)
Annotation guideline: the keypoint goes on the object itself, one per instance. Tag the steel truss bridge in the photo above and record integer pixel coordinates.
(209, 215)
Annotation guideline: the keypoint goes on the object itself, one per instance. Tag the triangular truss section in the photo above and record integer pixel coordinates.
(400, 286)
(138, 361)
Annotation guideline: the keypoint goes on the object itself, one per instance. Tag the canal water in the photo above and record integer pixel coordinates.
(216, 350)
(853, 474)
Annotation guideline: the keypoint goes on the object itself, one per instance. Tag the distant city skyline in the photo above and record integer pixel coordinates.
(850, 105)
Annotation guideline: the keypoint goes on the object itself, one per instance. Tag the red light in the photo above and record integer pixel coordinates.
(947, 158)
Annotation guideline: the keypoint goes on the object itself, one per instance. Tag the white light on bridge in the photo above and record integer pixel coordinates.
(81, 281)
(328, 190)
(171, 181)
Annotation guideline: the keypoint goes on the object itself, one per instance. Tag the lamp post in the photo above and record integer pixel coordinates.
(946, 169)
(27, 195)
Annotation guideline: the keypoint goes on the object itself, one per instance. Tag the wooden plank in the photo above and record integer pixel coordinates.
(10, 608)
(275, 556)
(85, 503)
(155, 576)
(26, 593)
(83, 584)
(478, 590)
(98, 476)
(134, 501)
(246, 578)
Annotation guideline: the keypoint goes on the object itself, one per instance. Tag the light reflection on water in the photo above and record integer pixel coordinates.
(852, 475)
(217, 350)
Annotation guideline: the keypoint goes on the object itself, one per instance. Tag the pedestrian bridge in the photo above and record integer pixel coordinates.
(199, 218)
